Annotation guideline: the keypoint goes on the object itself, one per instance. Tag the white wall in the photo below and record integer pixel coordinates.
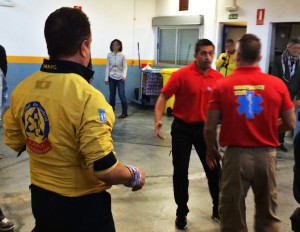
(214, 12)
(275, 11)
(22, 26)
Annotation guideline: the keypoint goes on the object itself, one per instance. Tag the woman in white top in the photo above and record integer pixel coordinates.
(116, 69)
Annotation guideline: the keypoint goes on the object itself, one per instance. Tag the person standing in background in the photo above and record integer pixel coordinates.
(286, 67)
(3, 72)
(115, 76)
(3, 60)
(5, 224)
(226, 61)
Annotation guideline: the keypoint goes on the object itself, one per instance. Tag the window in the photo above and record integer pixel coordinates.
(167, 51)
(176, 45)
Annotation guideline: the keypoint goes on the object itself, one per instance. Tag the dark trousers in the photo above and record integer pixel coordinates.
(281, 137)
(183, 137)
(1, 215)
(113, 84)
(295, 220)
(53, 212)
(296, 185)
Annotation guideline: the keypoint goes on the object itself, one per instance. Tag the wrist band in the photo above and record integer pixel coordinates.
(135, 176)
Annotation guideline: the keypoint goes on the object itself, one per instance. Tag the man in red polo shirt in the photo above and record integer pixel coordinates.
(249, 104)
(191, 85)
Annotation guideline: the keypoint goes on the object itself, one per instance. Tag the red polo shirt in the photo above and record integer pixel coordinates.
(192, 89)
(250, 102)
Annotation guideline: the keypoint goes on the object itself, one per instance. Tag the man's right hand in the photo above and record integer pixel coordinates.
(212, 157)
(142, 182)
(158, 125)
(106, 82)
(227, 53)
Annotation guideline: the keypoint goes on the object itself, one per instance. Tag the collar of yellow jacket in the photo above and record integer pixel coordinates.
(65, 66)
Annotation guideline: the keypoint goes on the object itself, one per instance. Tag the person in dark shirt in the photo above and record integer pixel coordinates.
(286, 67)
(3, 61)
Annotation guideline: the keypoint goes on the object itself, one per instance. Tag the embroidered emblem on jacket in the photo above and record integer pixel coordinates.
(37, 128)
(102, 116)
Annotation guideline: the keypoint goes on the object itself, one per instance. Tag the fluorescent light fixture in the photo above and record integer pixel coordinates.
(7, 3)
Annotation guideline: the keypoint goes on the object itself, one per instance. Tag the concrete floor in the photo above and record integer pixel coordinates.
(152, 208)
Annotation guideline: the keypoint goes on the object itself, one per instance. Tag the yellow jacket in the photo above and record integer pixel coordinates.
(66, 125)
(228, 65)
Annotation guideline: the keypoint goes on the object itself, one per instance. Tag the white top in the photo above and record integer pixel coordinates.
(116, 66)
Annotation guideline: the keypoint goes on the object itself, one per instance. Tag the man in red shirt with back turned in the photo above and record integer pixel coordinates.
(192, 86)
(253, 107)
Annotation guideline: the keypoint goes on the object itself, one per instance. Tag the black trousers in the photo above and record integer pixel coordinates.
(281, 137)
(183, 137)
(1, 215)
(296, 184)
(53, 212)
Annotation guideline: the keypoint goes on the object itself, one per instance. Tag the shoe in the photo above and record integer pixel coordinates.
(282, 148)
(6, 225)
(216, 219)
(123, 116)
(181, 223)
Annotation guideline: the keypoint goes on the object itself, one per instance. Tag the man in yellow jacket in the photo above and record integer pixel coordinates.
(227, 60)
(65, 125)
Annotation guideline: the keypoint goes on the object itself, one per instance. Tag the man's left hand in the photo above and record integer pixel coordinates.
(123, 79)
(297, 103)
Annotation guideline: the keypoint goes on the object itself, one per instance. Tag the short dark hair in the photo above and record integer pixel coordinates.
(229, 41)
(65, 30)
(249, 48)
(202, 42)
(293, 42)
(112, 42)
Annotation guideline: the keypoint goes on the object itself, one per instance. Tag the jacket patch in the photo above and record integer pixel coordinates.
(102, 116)
(37, 128)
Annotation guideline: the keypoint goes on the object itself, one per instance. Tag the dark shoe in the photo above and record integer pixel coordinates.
(181, 223)
(215, 215)
(123, 116)
(282, 148)
(6, 225)
(215, 218)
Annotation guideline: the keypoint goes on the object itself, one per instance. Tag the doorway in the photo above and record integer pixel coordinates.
(232, 32)
(281, 34)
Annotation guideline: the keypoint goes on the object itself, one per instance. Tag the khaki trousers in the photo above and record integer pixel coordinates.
(245, 167)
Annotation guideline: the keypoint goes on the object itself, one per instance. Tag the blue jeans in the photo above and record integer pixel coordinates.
(4, 92)
(113, 84)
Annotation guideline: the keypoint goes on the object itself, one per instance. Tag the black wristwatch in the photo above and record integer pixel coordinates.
(223, 58)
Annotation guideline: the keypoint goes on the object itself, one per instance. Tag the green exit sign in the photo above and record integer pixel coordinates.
(233, 16)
